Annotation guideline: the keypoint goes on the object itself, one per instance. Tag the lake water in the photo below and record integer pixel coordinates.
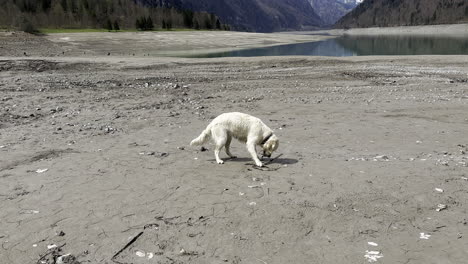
(359, 46)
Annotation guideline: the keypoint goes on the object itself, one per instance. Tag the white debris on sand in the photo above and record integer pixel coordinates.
(424, 236)
(51, 246)
(373, 256)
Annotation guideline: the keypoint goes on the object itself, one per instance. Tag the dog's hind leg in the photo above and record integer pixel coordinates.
(227, 147)
(220, 137)
(253, 153)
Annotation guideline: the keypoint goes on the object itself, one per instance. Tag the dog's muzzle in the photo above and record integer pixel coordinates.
(266, 155)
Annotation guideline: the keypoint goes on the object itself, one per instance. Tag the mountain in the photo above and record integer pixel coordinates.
(253, 15)
(331, 11)
(386, 13)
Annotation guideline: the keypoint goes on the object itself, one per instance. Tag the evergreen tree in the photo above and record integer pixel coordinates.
(149, 24)
(208, 24)
(64, 5)
(116, 25)
(169, 24)
(188, 18)
(138, 24)
(108, 25)
(46, 5)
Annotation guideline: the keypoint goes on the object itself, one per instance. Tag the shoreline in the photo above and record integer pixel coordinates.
(454, 30)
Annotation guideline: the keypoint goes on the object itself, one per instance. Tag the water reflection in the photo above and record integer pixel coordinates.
(404, 45)
(359, 46)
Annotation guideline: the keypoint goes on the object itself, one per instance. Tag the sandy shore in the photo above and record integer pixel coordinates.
(169, 43)
(95, 162)
(449, 30)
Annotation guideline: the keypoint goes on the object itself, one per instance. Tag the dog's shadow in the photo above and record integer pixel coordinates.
(279, 160)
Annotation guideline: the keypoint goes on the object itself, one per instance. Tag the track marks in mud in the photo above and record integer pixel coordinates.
(43, 155)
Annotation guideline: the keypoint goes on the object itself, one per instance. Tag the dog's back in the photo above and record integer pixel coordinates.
(238, 125)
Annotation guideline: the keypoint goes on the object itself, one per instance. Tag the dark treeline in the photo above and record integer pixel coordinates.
(100, 14)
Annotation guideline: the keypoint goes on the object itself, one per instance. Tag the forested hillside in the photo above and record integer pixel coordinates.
(253, 15)
(107, 14)
(385, 13)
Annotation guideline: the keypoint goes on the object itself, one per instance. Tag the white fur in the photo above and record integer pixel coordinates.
(243, 127)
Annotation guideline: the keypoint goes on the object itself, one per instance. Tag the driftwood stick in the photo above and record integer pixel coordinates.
(271, 160)
(126, 246)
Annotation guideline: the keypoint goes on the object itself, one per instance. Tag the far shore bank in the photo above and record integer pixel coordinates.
(450, 30)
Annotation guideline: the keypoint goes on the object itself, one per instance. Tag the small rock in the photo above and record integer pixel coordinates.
(441, 207)
(439, 190)
(181, 148)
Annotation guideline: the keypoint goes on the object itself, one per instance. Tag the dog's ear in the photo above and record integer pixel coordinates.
(275, 145)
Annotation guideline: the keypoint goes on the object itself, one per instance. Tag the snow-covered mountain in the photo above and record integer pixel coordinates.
(331, 11)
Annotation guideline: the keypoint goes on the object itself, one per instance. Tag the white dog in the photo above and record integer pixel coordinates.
(245, 128)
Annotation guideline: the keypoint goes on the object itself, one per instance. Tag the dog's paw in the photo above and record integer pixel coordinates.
(220, 161)
(259, 164)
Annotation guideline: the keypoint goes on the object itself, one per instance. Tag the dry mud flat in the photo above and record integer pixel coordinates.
(95, 162)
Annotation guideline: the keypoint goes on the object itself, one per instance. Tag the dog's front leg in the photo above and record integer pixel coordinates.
(253, 153)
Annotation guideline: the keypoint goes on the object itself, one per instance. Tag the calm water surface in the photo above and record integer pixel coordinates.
(360, 46)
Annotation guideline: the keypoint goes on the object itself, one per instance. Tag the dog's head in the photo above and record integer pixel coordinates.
(270, 145)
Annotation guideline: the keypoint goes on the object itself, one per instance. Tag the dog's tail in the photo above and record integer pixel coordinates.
(204, 136)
